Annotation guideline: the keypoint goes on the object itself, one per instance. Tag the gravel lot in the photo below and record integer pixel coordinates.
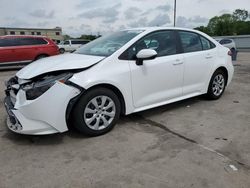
(193, 143)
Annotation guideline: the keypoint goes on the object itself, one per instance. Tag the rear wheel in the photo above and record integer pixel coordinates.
(217, 85)
(61, 50)
(97, 112)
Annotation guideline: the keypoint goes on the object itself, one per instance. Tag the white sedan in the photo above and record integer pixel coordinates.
(229, 43)
(89, 89)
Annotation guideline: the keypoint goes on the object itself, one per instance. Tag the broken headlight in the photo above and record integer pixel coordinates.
(37, 88)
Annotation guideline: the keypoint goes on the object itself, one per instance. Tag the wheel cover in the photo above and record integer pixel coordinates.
(218, 84)
(99, 112)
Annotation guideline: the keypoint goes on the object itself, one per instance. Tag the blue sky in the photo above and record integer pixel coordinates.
(102, 16)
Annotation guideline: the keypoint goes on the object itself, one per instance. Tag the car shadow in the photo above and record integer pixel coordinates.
(59, 138)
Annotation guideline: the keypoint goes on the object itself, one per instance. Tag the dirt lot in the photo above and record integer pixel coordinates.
(193, 143)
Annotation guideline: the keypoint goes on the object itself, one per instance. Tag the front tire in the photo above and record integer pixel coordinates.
(97, 112)
(217, 85)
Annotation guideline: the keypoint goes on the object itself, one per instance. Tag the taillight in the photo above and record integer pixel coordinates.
(230, 53)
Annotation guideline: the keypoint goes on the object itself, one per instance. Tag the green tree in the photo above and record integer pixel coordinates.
(203, 29)
(89, 37)
(66, 37)
(240, 15)
(221, 25)
(228, 24)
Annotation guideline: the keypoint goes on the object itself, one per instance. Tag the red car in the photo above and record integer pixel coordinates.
(21, 50)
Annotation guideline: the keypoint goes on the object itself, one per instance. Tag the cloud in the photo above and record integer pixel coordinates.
(16, 22)
(158, 9)
(142, 22)
(198, 19)
(159, 20)
(89, 4)
(191, 22)
(42, 24)
(132, 12)
(108, 14)
(165, 8)
(41, 13)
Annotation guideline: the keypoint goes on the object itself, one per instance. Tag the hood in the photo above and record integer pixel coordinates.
(57, 63)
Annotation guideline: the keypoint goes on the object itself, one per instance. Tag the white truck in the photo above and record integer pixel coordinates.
(71, 45)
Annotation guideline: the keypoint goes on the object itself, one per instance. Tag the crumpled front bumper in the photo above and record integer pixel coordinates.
(44, 115)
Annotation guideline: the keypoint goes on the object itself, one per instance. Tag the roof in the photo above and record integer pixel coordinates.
(23, 36)
(160, 28)
(22, 28)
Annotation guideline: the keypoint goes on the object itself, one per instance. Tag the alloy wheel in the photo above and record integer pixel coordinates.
(99, 112)
(218, 84)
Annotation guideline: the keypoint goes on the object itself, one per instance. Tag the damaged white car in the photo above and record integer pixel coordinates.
(89, 89)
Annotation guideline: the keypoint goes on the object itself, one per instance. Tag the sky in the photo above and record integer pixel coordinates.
(78, 17)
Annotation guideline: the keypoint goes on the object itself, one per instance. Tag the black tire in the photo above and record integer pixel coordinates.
(78, 113)
(41, 56)
(210, 93)
(61, 50)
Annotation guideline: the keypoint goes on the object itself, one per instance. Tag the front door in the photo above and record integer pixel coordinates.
(160, 79)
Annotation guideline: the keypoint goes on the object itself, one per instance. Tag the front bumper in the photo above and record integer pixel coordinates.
(44, 115)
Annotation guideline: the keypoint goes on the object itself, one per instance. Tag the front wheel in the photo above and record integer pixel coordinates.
(97, 112)
(217, 85)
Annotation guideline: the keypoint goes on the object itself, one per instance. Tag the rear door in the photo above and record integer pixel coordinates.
(198, 61)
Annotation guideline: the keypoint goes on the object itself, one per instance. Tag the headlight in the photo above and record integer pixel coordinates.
(36, 89)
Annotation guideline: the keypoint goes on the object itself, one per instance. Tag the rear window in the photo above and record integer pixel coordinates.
(225, 41)
(22, 42)
(79, 42)
(206, 44)
(32, 41)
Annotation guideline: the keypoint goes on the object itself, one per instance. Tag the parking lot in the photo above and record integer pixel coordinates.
(192, 143)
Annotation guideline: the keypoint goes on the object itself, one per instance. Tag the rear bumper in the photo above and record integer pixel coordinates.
(230, 69)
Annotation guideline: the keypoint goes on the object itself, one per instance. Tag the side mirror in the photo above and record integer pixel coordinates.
(145, 54)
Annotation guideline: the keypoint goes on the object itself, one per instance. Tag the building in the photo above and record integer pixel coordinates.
(55, 33)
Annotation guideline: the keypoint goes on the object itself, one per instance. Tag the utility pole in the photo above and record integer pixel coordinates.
(174, 13)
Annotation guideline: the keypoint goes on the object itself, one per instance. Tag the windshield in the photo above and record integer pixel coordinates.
(107, 45)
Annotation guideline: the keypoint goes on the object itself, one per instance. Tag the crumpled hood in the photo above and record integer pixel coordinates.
(57, 63)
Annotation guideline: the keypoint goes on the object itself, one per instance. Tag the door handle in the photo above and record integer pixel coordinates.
(208, 56)
(178, 62)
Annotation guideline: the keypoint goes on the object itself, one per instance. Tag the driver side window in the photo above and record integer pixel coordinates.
(163, 42)
(66, 42)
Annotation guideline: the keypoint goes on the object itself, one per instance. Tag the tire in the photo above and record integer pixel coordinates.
(61, 50)
(217, 85)
(91, 116)
(41, 56)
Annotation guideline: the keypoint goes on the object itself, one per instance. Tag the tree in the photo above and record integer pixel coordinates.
(203, 29)
(228, 24)
(221, 25)
(240, 15)
(66, 37)
(88, 37)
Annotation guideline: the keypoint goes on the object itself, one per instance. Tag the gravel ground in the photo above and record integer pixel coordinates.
(192, 143)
